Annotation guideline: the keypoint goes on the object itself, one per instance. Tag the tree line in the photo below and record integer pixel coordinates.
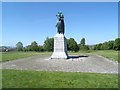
(49, 45)
(110, 45)
(71, 45)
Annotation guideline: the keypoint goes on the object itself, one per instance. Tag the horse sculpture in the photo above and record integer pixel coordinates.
(60, 23)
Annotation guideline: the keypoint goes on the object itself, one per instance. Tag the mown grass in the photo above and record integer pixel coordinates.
(7, 56)
(44, 79)
(110, 54)
(0, 56)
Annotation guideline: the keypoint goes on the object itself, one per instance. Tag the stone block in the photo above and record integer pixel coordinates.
(60, 47)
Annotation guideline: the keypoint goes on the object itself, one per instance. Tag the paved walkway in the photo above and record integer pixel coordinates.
(90, 63)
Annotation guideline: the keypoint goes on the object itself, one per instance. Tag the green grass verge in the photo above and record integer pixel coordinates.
(7, 56)
(110, 54)
(0, 56)
(44, 79)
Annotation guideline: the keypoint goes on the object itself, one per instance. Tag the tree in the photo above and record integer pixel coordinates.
(49, 44)
(19, 46)
(85, 47)
(82, 45)
(34, 46)
(82, 42)
(104, 46)
(110, 44)
(28, 48)
(117, 44)
(97, 46)
(40, 48)
(72, 45)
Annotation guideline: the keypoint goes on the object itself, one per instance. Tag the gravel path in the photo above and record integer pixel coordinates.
(90, 63)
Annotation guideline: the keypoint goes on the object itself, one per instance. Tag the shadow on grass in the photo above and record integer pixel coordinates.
(78, 56)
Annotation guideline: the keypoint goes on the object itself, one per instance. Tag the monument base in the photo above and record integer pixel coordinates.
(60, 47)
(59, 55)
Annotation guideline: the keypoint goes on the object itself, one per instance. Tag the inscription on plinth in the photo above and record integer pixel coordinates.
(60, 47)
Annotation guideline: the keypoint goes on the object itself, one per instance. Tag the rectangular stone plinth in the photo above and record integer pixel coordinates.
(60, 47)
(59, 55)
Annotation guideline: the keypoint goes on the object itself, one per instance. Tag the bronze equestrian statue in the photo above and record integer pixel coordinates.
(60, 23)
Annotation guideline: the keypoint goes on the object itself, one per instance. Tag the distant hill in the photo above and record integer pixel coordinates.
(91, 46)
(7, 48)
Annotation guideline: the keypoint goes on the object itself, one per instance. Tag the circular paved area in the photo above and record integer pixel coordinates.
(89, 63)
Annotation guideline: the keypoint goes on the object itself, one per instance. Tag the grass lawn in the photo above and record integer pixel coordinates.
(40, 79)
(0, 56)
(7, 56)
(111, 54)
(44, 79)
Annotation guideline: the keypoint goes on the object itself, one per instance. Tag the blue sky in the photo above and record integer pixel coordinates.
(34, 21)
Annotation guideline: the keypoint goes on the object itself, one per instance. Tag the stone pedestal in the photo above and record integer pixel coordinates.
(60, 47)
